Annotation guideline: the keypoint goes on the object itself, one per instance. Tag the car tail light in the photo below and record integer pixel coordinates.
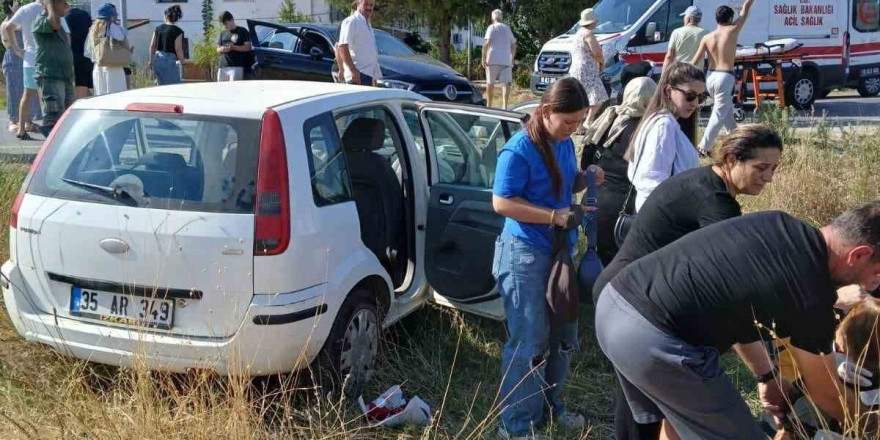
(13, 221)
(272, 230)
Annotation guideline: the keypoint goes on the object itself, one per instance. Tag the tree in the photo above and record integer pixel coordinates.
(207, 14)
(535, 21)
(289, 14)
(441, 16)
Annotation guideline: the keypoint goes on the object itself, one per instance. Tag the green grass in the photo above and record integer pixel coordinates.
(449, 359)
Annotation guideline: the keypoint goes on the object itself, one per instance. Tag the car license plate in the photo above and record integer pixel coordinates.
(548, 80)
(122, 309)
(873, 71)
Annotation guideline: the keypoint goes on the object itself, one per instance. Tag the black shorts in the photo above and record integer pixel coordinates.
(82, 72)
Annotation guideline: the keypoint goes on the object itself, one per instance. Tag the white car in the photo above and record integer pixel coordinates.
(245, 227)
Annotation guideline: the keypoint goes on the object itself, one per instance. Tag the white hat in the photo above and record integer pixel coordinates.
(588, 17)
(693, 12)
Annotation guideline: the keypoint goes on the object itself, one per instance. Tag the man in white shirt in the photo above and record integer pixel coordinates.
(357, 47)
(23, 21)
(499, 50)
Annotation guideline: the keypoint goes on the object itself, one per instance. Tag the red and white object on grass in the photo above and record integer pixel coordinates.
(391, 409)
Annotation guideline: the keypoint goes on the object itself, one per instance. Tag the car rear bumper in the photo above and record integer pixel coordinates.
(280, 333)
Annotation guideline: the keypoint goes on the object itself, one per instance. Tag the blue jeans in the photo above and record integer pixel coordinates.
(538, 352)
(166, 69)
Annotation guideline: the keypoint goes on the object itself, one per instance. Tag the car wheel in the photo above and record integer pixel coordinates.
(802, 90)
(869, 87)
(348, 359)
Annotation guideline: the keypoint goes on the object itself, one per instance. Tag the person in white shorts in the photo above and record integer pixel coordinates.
(499, 50)
(236, 50)
(23, 21)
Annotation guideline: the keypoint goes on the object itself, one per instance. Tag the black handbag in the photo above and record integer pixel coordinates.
(625, 219)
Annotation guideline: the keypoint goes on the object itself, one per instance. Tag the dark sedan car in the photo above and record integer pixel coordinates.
(305, 51)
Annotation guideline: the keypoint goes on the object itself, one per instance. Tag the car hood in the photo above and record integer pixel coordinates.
(422, 67)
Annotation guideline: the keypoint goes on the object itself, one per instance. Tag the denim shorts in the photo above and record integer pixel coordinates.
(30, 80)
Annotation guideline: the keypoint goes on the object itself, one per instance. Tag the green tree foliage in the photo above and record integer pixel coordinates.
(205, 51)
(535, 21)
(441, 16)
(289, 14)
(207, 14)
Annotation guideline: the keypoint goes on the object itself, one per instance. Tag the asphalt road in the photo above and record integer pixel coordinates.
(846, 109)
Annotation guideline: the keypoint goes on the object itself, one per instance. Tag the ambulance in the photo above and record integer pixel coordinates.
(840, 40)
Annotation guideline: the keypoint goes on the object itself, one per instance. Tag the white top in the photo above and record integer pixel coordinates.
(500, 50)
(24, 20)
(114, 31)
(357, 33)
(667, 152)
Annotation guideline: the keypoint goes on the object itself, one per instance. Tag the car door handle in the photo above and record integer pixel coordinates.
(446, 199)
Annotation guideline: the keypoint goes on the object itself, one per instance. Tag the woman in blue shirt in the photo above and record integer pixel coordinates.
(535, 178)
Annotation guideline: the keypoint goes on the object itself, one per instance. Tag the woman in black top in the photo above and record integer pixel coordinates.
(744, 164)
(607, 139)
(166, 49)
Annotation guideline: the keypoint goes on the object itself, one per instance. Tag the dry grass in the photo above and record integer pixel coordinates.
(449, 359)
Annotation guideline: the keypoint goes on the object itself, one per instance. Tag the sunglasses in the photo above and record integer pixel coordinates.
(691, 95)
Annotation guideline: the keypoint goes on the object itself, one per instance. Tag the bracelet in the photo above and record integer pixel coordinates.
(768, 376)
(552, 217)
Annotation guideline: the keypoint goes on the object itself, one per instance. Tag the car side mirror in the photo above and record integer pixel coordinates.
(651, 34)
(316, 53)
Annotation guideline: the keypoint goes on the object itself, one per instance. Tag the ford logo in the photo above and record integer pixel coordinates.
(450, 92)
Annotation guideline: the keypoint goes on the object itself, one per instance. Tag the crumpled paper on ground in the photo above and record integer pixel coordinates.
(392, 409)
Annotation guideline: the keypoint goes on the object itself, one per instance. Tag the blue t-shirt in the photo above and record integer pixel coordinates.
(521, 173)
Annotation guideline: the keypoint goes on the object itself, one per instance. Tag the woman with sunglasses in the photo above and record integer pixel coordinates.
(663, 145)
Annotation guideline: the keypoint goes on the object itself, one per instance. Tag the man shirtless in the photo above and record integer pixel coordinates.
(721, 47)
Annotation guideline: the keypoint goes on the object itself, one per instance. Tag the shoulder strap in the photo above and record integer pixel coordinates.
(589, 221)
(642, 136)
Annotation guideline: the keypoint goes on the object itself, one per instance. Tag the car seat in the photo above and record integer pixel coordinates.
(377, 191)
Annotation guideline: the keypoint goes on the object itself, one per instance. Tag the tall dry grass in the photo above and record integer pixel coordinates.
(449, 359)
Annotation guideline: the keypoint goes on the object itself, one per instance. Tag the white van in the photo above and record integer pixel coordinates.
(245, 227)
(841, 39)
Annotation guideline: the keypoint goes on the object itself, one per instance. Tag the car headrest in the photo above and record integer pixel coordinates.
(364, 134)
(163, 161)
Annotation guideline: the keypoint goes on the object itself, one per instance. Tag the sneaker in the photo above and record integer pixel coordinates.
(13, 127)
(504, 435)
(570, 420)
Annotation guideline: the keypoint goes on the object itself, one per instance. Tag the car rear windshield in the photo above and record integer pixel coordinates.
(152, 160)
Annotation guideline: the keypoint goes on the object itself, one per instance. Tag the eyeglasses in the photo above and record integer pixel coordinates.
(691, 95)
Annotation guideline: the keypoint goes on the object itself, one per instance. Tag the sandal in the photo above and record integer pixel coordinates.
(24, 136)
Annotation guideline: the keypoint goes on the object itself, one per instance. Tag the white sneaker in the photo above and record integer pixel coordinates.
(570, 420)
(504, 435)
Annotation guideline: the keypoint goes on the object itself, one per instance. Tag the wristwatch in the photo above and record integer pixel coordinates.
(768, 376)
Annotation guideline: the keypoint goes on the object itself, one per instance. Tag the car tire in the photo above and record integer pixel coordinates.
(802, 90)
(869, 87)
(348, 359)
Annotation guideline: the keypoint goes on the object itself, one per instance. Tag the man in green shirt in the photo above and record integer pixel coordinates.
(685, 41)
(54, 63)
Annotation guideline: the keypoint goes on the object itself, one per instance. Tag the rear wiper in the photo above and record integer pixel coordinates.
(116, 193)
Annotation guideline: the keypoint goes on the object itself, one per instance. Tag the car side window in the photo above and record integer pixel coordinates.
(658, 25)
(271, 38)
(327, 166)
(411, 116)
(392, 145)
(312, 40)
(467, 145)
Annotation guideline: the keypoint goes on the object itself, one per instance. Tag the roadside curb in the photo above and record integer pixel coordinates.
(20, 158)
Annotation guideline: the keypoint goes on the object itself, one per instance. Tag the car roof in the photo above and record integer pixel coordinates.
(242, 99)
(329, 29)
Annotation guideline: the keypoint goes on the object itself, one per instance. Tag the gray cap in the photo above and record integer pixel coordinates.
(693, 12)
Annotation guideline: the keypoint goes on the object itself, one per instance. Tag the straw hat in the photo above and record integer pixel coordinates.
(588, 17)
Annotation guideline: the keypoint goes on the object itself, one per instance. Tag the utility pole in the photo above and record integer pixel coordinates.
(123, 13)
(468, 48)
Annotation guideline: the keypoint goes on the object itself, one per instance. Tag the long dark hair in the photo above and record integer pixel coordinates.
(675, 75)
(565, 96)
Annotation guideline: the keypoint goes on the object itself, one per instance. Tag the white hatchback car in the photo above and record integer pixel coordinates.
(245, 227)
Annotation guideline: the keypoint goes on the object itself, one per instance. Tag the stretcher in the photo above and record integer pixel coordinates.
(764, 63)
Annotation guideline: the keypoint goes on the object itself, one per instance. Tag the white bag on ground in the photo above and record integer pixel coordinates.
(391, 409)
